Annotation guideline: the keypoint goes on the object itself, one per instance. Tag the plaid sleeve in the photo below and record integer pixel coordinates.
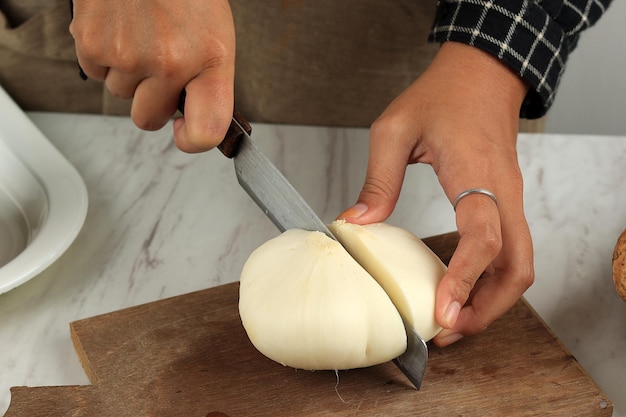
(533, 37)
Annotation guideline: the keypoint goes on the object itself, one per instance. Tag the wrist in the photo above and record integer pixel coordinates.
(482, 72)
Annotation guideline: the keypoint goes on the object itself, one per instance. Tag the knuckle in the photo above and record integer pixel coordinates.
(388, 126)
(170, 60)
(87, 43)
(79, 31)
(492, 241)
(218, 53)
(381, 126)
(166, 62)
(486, 239)
(524, 276)
(378, 192)
(463, 287)
(127, 62)
(377, 188)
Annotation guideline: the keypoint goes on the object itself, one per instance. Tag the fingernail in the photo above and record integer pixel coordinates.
(354, 212)
(449, 339)
(452, 313)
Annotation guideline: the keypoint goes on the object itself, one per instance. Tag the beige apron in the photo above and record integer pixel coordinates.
(37, 60)
(323, 62)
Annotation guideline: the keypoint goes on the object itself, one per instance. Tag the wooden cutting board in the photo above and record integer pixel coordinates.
(189, 356)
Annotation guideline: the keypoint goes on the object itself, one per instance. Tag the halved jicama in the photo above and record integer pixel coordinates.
(402, 264)
(306, 303)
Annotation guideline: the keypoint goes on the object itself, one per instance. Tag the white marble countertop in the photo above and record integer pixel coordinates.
(163, 223)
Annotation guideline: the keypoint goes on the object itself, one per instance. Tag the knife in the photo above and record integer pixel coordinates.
(286, 208)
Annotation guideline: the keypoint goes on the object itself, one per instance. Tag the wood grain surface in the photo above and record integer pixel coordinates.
(189, 356)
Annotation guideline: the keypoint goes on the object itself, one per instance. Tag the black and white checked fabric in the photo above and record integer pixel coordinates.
(533, 37)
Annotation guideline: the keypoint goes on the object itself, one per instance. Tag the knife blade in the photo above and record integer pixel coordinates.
(413, 361)
(270, 190)
(287, 209)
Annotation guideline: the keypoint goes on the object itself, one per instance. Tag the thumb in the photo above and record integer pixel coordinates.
(383, 181)
(208, 112)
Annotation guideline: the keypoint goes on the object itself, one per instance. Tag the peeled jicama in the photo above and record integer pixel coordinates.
(402, 264)
(306, 303)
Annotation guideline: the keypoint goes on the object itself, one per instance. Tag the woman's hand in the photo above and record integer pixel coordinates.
(461, 117)
(150, 50)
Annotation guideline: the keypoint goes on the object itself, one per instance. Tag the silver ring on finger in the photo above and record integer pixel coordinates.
(471, 191)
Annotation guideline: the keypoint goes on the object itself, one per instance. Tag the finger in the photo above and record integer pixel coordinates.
(154, 103)
(386, 167)
(492, 296)
(209, 107)
(506, 279)
(478, 222)
(513, 275)
(121, 84)
(91, 68)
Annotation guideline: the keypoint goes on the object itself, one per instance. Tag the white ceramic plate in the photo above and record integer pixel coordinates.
(43, 199)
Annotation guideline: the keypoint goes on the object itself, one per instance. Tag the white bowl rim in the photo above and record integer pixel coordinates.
(64, 187)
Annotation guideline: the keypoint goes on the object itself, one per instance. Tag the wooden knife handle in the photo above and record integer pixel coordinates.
(230, 144)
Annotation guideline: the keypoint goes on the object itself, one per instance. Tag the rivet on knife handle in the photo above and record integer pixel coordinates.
(230, 144)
